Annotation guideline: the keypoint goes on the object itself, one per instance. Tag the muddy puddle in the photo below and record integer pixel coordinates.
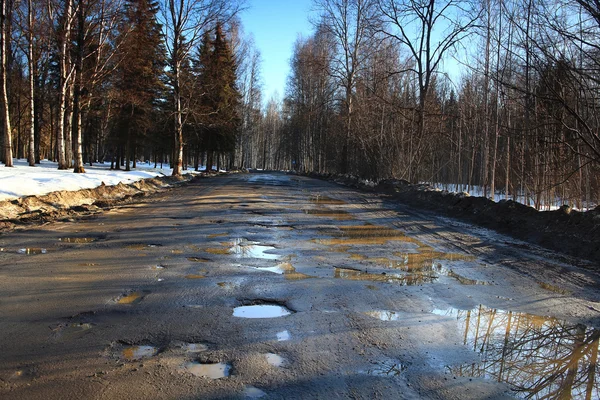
(325, 200)
(195, 276)
(210, 371)
(261, 311)
(141, 246)
(132, 298)
(198, 259)
(77, 240)
(540, 357)
(287, 270)
(283, 336)
(554, 288)
(32, 251)
(134, 353)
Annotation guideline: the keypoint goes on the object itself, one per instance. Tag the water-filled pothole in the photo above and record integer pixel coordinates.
(385, 368)
(554, 288)
(132, 297)
(210, 371)
(134, 353)
(261, 311)
(195, 276)
(276, 360)
(541, 357)
(245, 249)
(408, 280)
(283, 336)
(287, 270)
(77, 240)
(198, 259)
(384, 315)
(31, 251)
(251, 392)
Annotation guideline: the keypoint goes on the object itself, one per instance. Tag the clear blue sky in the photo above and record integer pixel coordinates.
(276, 24)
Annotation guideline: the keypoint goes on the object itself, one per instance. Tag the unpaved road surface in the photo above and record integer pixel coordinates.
(350, 296)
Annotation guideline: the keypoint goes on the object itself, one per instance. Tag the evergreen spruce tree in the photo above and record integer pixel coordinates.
(139, 75)
(223, 98)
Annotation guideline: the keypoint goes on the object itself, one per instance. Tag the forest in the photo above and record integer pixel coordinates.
(498, 97)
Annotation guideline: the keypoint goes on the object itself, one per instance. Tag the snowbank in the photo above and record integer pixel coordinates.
(45, 178)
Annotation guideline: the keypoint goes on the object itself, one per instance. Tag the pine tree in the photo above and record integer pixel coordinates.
(138, 77)
(223, 98)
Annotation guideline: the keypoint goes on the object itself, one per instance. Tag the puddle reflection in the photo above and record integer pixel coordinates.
(408, 280)
(261, 311)
(541, 357)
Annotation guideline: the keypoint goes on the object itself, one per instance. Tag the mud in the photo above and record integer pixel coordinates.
(565, 230)
(349, 294)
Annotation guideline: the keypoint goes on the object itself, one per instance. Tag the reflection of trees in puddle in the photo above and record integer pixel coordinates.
(405, 280)
(543, 358)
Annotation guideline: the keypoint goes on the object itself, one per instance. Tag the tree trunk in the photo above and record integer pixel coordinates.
(63, 95)
(31, 152)
(7, 156)
(77, 101)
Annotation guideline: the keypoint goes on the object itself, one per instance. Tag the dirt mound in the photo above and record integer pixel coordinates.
(59, 204)
(565, 230)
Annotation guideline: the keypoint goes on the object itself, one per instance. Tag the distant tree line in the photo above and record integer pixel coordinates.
(497, 96)
(87, 81)
(368, 95)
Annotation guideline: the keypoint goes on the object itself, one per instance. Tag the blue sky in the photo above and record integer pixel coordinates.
(276, 24)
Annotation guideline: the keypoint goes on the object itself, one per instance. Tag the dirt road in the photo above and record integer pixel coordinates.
(278, 286)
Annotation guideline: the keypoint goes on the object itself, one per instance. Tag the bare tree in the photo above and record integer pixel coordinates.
(352, 24)
(430, 30)
(185, 21)
(4, 49)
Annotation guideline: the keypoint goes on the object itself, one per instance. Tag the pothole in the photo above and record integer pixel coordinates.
(275, 360)
(524, 350)
(198, 259)
(261, 311)
(70, 330)
(132, 298)
(77, 240)
(384, 315)
(385, 368)
(407, 280)
(134, 353)
(245, 249)
(251, 392)
(31, 251)
(210, 371)
(283, 336)
(142, 246)
(287, 270)
(554, 288)
(195, 276)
